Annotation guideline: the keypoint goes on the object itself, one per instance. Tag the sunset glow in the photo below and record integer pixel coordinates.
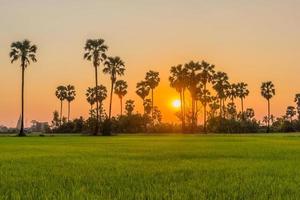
(176, 103)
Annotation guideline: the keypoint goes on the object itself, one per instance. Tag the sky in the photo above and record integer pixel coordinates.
(252, 41)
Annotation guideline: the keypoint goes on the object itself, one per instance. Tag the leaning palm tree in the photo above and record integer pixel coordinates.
(268, 91)
(242, 92)
(121, 91)
(114, 66)
(70, 96)
(178, 80)
(206, 76)
(152, 79)
(142, 90)
(95, 52)
(25, 52)
(61, 94)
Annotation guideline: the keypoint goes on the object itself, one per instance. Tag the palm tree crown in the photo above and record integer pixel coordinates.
(267, 90)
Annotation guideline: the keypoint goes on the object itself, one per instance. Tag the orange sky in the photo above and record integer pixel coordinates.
(251, 41)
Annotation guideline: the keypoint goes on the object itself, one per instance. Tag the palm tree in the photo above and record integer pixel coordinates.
(268, 91)
(290, 112)
(70, 96)
(100, 97)
(26, 53)
(113, 66)
(91, 98)
(61, 94)
(178, 80)
(297, 101)
(152, 79)
(142, 90)
(121, 91)
(129, 106)
(193, 80)
(242, 92)
(206, 76)
(147, 106)
(221, 84)
(95, 52)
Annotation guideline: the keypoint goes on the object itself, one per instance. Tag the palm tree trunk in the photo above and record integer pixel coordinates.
(22, 104)
(181, 109)
(204, 114)
(97, 103)
(183, 100)
(111, 96)
(242, 104)
(121, 105)
(69, 111)
(152, 103)
(61, 106)
(268, 129)
(91, 111)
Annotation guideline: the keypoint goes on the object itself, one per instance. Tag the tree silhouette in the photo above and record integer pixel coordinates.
(242, 92)
(152, 79)
(129, 106)
(70, 96)
(147, 106)
(95, 52)
(114, 66)
(193, 80)
(221, 84)
(61, 94)
(142, 90)
(297, 101)
(268, 91)
(121, 91)
(26, 53)
(178, 80)
(100, 97)
(91, 98)
(206, 76)
(290, 112)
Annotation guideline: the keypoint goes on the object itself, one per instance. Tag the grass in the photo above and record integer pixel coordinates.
(150, 167)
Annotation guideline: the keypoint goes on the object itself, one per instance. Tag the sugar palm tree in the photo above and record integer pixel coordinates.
(221, 84)
(121, 90)
(114, 66)
(129, 106)
(70, 96)
(297, 101)
(100, 97)
(95, 50)
(206, 76)
(242, 92)
(91, 98)
(26, 53)
(290, 112)
(152, 79)
(268, 91)
(178, 80)
(147, 106)
(61, 94)
(142, 90)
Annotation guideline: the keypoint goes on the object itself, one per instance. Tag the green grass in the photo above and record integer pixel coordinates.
(150, 167)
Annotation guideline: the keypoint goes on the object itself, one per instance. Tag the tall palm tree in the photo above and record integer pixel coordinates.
(268, 91)
(121, 90)
(114, 66)
(242, 92)
(152, 79)
(178, 80)
(193, 80)
(26, 53)
(221, 84)
(61, 94)
(95, 52)
(142, 90)
(206, 76)
(70, 96)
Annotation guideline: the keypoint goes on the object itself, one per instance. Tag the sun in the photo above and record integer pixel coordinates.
(176, 103)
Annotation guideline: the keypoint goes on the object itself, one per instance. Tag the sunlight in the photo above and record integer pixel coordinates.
(176, 103)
